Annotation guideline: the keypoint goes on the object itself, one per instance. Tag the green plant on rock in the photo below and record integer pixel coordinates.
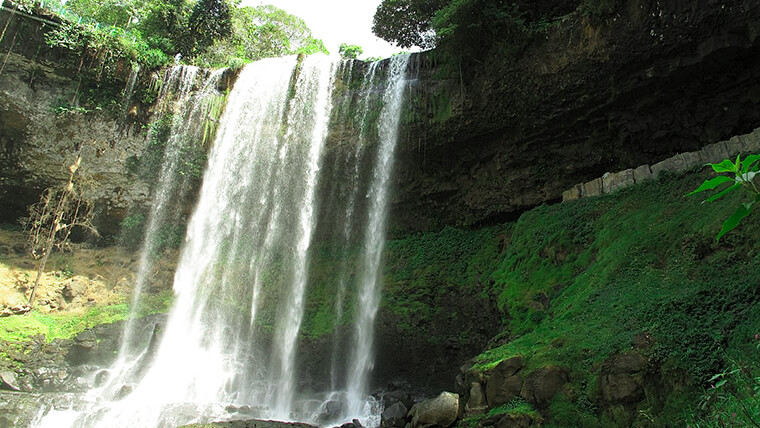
(740, 175)
(347, 51)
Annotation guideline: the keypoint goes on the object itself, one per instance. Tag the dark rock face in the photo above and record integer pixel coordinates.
(622, 379)
(503, 136)
(427, 363)
(61, 365)
(394, 416)
(504, 381)
(42, 125)
(542, 384)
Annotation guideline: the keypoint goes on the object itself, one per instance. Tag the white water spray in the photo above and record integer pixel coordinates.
(374, 243)
(232, 334)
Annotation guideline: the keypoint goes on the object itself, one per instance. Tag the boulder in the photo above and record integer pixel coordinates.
(73, 289)
(476, 403)
(353, 424)
(691, 159)
(440, 411)
(8, 380)
(676, 163)
(622, 378)
(394, 416)
(752, 141)
(542, 384)
(330, 410)
(716, 152)
(504, 382)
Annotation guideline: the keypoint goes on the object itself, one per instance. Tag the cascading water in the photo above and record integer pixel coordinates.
(177, 95)
(231, 339)
(369, 290)
(351, 168)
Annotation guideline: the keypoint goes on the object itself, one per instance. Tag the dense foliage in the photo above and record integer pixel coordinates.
(347, 51)
(407, 23)
(202, 32)
(471, 28)
(261, 32)
(576, 283)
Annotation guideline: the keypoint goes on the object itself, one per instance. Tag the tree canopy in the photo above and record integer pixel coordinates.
(464, 25)
(407, 23)
(204, 32)
(347, 51)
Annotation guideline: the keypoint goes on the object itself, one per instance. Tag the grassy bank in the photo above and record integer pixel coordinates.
(579, 282)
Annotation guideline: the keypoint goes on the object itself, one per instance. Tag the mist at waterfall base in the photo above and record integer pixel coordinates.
(273, 190)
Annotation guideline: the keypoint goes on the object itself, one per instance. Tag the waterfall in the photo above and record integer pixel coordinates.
(369, 287)
(177, 95)
(231, 341)
(351, 165)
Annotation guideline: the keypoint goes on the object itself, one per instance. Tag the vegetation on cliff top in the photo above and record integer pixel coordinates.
(209, 33)
(475, 28)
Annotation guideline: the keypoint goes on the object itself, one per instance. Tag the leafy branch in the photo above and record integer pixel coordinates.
(738, 175)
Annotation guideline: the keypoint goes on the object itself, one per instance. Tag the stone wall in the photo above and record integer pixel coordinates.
(713, 153)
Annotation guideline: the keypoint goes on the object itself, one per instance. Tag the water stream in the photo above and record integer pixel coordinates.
(230, 348)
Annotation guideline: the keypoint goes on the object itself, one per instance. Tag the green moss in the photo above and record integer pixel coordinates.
(422, 270)
(330, 266)
(580, 279)
(565, 413)
(20, 328)
(514, 407)
(23, 327)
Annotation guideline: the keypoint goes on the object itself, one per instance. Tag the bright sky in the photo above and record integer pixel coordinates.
(336, 22)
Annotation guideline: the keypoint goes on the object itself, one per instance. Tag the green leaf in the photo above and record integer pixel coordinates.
(725, 166)
(749, 163)
(723, 193)
(733, 221)
(711, 184)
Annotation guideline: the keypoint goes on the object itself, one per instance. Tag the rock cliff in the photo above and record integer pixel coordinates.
(53, 101)
(503, 135)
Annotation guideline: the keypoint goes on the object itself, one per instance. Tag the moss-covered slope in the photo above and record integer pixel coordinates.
(635, 276)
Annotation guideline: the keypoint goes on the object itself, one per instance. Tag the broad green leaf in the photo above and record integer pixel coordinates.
(725, 166)
(711, 184)
(723, 193)
(734, 220)
(748, 162)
